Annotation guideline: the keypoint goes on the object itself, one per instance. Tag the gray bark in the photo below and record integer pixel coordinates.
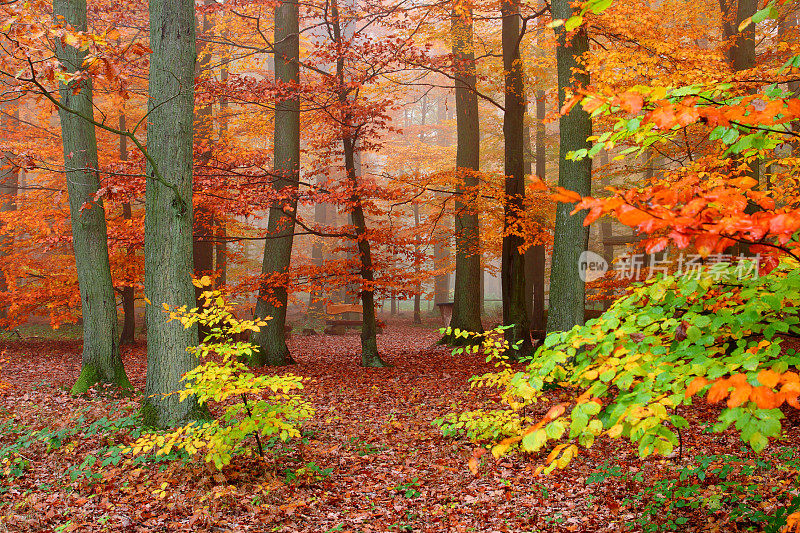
(567, 291)
(270, 342)
(168, 211)
(100, 362)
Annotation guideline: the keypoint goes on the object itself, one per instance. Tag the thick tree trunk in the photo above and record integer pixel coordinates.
(571, 238)
(168, 211)
(101, 362)
(515, 310)
(467, 290)
(270, 342)
(128, 335)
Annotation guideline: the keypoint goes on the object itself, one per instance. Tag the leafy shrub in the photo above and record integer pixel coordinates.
(222, 377)
(670, 339)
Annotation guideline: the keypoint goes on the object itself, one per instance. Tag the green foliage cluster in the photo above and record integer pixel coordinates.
(19, 438)
(719, 484)
(631, 369)
(221, 377)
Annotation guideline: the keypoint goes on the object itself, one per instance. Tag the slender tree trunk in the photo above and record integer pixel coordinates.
(128, 335)
(315, 297)
(369, 342)
(9, 187)
(221, 255)
(203, 224)
(441, 248)
(418, 291)
(467, 291)
(270, 342)
(101, 362)
(515, 311)
(168, 211)
(536, 253)
(571, 238)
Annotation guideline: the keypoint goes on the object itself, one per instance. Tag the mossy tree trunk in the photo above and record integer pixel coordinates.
(270, 342)
(100, 362)
(168, 211)
(571, 238)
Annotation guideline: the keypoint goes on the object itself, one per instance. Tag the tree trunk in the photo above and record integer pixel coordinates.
(571, 238)
(203, 224)
(537, 253)
(515, 311)
(467, 291)
(315, 297)
(221, 255)
(270, 342)
(168, 211)
(9, 187)
(101, 362)
(369, 342)
(441, 247)
(418, 291)
(128, 335)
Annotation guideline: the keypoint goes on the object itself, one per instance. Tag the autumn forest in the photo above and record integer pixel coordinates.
(395, 265)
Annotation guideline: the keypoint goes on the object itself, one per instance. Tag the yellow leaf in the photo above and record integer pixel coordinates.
(615, 431)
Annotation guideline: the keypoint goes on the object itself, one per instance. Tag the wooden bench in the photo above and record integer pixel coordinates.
(446, 312)
(340, 309)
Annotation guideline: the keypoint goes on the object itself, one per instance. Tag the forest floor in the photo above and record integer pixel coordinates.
(370, 459)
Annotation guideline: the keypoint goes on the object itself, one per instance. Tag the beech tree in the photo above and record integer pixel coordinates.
(273, 298)
(101, 362)
(571, 238)
(467, 291)
(515, 306)
(168, 210)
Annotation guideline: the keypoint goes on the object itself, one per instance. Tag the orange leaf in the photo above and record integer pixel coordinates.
(477, 453)
(694, 387)
(790, 391)
(631, 102)
(718, 391)
(555, 412)
(566, 196)
(631, 216)
(739, 395)
(768, 378)
(790, 377)
(764, 398)
(794, 107)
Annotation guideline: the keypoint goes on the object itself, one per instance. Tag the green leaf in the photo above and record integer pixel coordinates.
(573, 22)
(533, 442)
(758, 442)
